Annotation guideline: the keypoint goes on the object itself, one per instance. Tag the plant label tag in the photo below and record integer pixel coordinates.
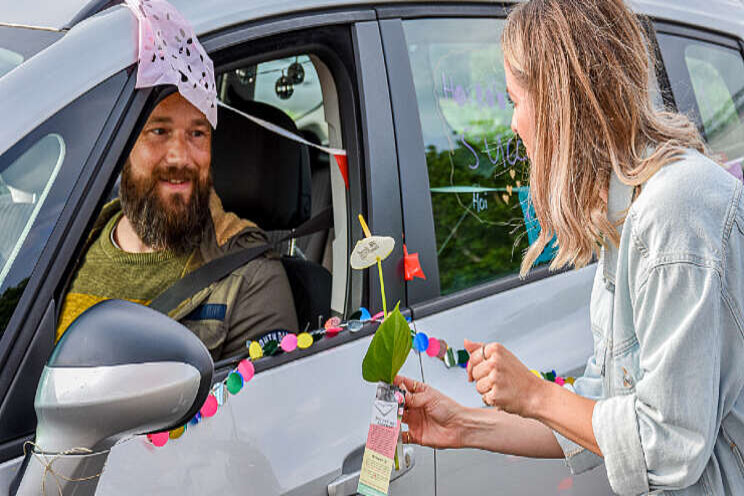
(382, 440)
(368, 250)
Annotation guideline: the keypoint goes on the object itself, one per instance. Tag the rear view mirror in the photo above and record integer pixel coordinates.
(120, 369)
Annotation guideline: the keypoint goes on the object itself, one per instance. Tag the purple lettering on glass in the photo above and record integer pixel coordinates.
(489, 98)
(479, 95)
(521, 158)
(467, 145)
(499, 150)
(502, 100)
(508, 153)
(447, 89)
(460, 96)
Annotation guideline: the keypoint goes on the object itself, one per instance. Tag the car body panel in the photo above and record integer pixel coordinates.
(109, 42)
(287, 432)
(546, 325)
(278, 435)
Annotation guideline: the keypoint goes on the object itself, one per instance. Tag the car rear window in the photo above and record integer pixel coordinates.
(20, 44)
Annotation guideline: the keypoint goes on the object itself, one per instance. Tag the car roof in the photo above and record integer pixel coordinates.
(207, 16)
(107, 36)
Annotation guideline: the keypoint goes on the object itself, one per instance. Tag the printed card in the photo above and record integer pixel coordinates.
(382, 439)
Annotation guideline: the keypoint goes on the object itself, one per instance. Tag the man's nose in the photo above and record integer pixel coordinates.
(177, 153)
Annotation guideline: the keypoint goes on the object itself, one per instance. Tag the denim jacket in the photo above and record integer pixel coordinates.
(668, 329)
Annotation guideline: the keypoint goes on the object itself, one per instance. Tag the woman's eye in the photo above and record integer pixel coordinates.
(509, 100)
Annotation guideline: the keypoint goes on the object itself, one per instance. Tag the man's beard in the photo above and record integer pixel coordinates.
(171, 224)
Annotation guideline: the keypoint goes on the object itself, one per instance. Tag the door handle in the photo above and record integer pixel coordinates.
(346, 484)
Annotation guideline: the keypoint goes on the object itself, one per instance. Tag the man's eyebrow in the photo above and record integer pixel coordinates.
(200, 122)
(160, 120)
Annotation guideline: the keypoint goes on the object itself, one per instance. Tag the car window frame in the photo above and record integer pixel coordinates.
(424, 297)
(366, 150)
(23, 345)
(687, 102)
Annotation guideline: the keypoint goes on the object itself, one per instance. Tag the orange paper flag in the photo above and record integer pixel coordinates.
(412, 265)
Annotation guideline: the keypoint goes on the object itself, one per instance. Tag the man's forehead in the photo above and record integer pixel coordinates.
(175, 108)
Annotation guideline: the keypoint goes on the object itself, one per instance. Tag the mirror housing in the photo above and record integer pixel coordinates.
(120, 369)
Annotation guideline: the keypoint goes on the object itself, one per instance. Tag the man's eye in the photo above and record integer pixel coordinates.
(198, 134)
(158, 131)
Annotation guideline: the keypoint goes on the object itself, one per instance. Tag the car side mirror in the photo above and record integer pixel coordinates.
(120, 369)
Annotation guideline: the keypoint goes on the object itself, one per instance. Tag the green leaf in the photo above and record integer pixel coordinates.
(388, 350)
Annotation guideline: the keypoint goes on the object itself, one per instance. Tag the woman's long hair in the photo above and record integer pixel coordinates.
(585, 65)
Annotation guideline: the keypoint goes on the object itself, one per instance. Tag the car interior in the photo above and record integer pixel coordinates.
(283, 185)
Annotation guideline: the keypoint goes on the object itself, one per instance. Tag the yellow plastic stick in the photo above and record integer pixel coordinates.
(367, 233)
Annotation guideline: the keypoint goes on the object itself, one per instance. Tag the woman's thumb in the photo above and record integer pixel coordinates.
(471, 346)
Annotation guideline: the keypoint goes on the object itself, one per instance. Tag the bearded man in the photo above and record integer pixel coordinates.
(167, 223)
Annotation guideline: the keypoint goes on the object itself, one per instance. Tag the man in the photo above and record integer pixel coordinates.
(168, 222)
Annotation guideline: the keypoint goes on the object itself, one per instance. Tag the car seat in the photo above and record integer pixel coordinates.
(266, 178)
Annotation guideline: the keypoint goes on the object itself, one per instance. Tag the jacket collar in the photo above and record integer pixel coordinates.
(619, 198)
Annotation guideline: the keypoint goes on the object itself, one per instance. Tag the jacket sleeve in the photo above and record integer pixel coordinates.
(661, 435)
(264, 303)
(579, 459)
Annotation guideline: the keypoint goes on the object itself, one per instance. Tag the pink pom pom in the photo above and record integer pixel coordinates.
(433, 349)
(159, 438)
(560, 381)
(289, 343)
(210, 406)
(246, 369)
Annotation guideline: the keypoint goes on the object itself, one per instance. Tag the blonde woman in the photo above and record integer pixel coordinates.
(661, 403)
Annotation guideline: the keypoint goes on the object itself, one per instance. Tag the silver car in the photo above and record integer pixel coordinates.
(415, 93)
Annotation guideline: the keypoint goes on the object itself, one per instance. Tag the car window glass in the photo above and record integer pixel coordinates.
(24, 186)
(36, 177)
(288, 92)
(717, 76)
(19, 44)
(477, 167)
(709, 83)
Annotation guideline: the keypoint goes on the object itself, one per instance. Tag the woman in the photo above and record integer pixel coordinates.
(661, 401)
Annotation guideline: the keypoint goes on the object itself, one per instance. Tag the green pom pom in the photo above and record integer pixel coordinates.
(234, 383)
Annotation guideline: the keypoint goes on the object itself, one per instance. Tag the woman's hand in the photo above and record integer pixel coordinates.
(431, 416)
(502, 379)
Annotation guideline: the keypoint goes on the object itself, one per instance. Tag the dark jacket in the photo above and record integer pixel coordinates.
(252, 300)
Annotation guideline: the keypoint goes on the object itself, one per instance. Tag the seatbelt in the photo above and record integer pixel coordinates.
(319, 222)
(225, 265)
(205, 275)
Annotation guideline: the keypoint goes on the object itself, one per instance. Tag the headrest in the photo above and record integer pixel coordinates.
(258, 174)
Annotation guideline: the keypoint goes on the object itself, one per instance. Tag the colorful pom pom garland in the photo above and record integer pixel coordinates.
(236, 379)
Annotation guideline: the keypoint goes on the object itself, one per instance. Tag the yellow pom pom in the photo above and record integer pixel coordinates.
(304, 341)
(178, 432)
(536, 373)
(255, 350)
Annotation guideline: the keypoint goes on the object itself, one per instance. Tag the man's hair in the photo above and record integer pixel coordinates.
(586, 65)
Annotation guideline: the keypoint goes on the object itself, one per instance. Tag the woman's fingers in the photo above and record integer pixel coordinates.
(476, 356)
(401, 380)
(486, 383)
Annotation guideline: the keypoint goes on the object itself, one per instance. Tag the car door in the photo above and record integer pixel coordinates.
(299, 426)
(464, 186)
(42, 180)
